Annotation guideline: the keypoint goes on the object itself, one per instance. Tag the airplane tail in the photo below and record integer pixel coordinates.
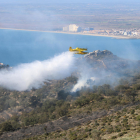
(70, 48)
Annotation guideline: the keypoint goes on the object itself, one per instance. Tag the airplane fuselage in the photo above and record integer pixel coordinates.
(78, 50)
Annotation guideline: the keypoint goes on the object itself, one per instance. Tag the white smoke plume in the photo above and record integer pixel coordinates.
(90, 76)
(26, 76)
(83, 69)
(82, 82)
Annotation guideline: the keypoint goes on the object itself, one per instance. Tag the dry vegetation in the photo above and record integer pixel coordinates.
(124, 124)
(53, 112)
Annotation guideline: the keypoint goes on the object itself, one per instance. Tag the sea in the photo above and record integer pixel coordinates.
(20, 46)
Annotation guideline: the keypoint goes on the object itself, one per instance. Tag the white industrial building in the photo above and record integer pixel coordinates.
(71, 28)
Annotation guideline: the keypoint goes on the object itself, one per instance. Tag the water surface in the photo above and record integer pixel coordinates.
(18, 46)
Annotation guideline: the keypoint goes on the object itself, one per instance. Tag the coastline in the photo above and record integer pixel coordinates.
(76, 33)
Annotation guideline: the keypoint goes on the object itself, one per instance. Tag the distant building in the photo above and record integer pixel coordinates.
(121, 32)
(65, 29)
(125, 33)
(72, 28)
(134, 33)
(129, 33)
(90, 29)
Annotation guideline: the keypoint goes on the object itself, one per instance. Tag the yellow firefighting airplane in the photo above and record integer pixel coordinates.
(78, 50)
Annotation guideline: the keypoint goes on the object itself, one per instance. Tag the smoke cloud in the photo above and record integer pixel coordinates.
(107, 69)
(25, 76)
(88, 79)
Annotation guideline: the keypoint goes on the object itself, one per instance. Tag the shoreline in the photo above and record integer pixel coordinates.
(76, 33)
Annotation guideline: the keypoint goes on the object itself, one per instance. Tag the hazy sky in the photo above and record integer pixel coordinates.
(68, 1)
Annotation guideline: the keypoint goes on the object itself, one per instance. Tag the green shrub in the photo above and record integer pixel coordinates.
(87, 129)
(117, 129)
(82, 101)
(53, 116)
(137, 107)
(127, 128)
(61, 95)
(136, 87)
(95, 96)
(132, 111)
(96, 134)
(121, 87)
(138, 130)
(31, 120)
(110, 129)
(124, 110)
(138, 123)
(6, 126)
(34, 101)
(96, 123)
(105, 120)
(113, 137)
(122, 133)
(138, 118)
(112, 101)
(125, 120)
(85, 136)
(117, 120)
(72, 136)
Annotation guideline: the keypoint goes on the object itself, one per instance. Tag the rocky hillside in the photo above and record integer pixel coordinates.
(108, 60)
(105, 61)
(53, 109)
(66, 123)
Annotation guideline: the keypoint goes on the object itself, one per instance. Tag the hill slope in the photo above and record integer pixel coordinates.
(54, 108)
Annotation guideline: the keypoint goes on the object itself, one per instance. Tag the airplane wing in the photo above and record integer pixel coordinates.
(78, 50)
